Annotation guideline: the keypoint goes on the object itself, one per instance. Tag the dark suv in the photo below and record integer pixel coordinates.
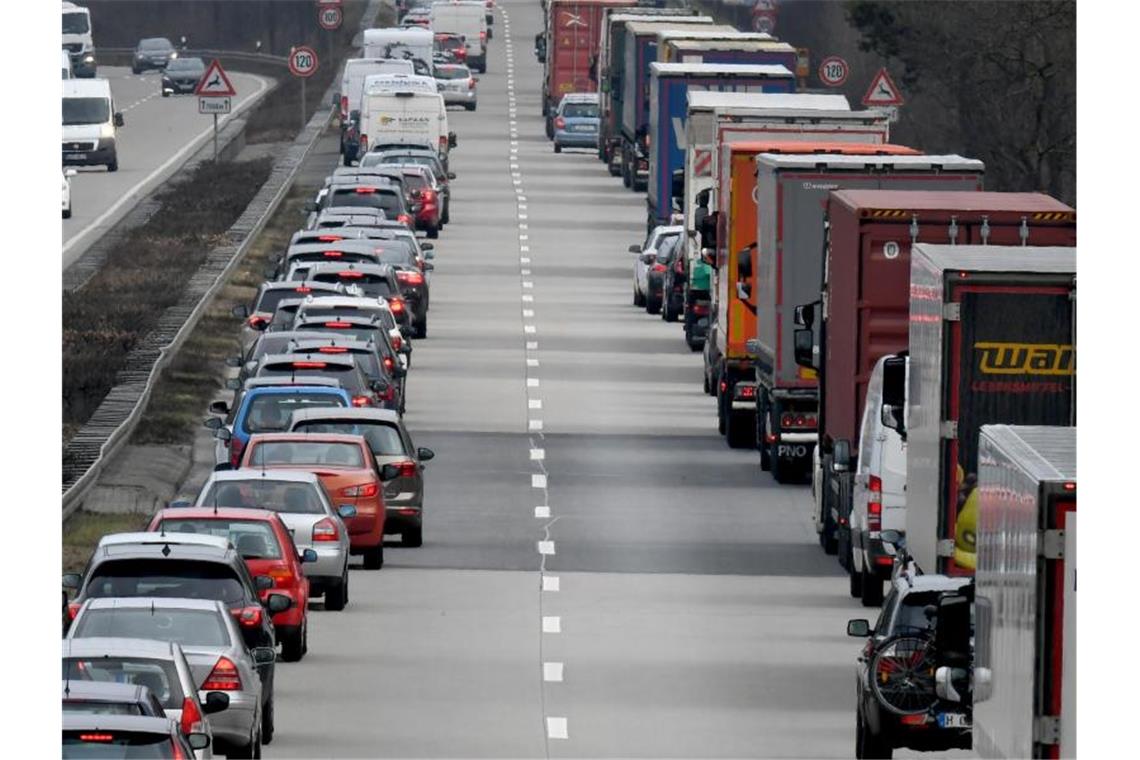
(896, 702)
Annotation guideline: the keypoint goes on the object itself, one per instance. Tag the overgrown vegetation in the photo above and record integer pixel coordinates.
(82, 531)
(145, 275)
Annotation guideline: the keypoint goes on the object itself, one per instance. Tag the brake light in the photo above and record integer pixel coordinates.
(309, 365)
(362, 491)
(410, 278)
(427, 196)
(96, 737)
(303, 289)
(343, 106)
(658, 267)
(350, 275)
(73, 609)
(407, 468)
(389, 364)
(559, 123)
(190, 715)
(329, 238)
(364, 143)
(326, 530)
(338, 325)
(482, 36)
(746, 391)
(236, 449)
(249, 617)
(471, 83)
(699, 309)
(874, 503)
(333, 254)
(396, 305)
(404, 218)
(361, 401)
(796, 420)
(282, 575)
(224, 677)
(365, 190)
(257, 322)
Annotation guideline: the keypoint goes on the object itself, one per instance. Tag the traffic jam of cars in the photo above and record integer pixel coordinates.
(871, 322)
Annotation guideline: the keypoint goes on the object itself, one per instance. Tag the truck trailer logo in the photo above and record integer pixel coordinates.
(1025, 358)
(572, 19)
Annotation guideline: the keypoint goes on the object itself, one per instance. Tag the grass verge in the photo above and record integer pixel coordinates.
(82, 531)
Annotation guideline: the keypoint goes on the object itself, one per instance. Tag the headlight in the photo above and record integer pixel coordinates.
(173, 55)
(89, 59)
(139, 55)
(107, 130)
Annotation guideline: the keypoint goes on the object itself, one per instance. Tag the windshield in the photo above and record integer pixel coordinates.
(325, 454)
(186, 65)
(253, 539)
(580, 110)
(270, 412)
(387, 202)
(89, 707)
(375, 159)
(383, 438)
(121, 745)
(160, 676)
(373, 285)
(169, 578)
(190, 628)
(155, 45)
(278, 495)
(86, 111)
(76, 23)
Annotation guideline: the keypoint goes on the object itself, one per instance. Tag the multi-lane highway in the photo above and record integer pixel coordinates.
(601, 575)
(159, 135)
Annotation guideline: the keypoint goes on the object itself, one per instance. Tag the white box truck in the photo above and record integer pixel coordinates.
(468, 19)
(415, 44)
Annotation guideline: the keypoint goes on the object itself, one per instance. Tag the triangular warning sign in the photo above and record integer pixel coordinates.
(214, 83)
(883, 91)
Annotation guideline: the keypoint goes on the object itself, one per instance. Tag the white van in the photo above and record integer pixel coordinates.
(355, 72)
(879, 496)
(404, 117)
(466, 18)
(77, 40)
(66, 64)
(89, 124)
(415, 45)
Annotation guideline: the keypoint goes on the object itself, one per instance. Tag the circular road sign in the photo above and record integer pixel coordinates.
(833, 71)
(303, 61)
(330, 17)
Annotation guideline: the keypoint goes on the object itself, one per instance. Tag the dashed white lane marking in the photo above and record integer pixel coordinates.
(524, 249)
(550, 583)
(527, 313)
(542, 512)
(551, 624)
(532, 382)
(525, 272)
(530, 329)
(528, 298)
(537, 455)
(556, 728)
(535, 425)
(522, 207)
(524, 260)
(532, 345)
(546, 547)
(552, 671)
(523, 216)
(522, 198)
(532, 362)
(538, 481)
(528, 284)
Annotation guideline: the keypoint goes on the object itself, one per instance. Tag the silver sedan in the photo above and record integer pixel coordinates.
(300, 499)
(210, 638)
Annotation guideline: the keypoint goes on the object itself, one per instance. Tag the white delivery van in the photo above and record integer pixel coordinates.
(879, 493)
(89, 124)
(415, 45)
(468, 19)
(355, 72)
(404, 117)
(77, 40)
(66, 64)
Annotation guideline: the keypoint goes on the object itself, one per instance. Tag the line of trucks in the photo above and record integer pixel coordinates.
(881, 326)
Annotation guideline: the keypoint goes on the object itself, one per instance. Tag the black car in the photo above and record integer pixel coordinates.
(897, 705)
(673, 280)
(182, 75)
(667, 250)
(152, 53)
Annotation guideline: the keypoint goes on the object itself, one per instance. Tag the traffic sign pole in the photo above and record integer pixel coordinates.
(215, 138)
(303, 63)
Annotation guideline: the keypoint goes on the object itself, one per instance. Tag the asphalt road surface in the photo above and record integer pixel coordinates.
(158, 136)
(670, 600)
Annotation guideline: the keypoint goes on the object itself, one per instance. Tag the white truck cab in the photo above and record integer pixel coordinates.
(468, 19)
(90, 124)
(66, 64)
(77, 40)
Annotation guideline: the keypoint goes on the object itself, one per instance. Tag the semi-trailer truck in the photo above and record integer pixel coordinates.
(792, 197)
(866, 279)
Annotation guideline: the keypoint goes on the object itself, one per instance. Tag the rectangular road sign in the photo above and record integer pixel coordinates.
(214, 105)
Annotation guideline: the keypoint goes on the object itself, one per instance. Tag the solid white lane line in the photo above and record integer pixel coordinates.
(542, 513)
(552, 671)
(550, 583)
(546, 547)
(538, 481)
(556, 728)
(551, 624)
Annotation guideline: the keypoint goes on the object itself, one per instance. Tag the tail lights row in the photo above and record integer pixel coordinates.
(224, 677)
(326, 530)
(874, 503)
(362, 491)
(796, 420)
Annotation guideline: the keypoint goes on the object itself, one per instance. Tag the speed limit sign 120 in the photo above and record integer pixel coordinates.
(833, 71)
(303, 61)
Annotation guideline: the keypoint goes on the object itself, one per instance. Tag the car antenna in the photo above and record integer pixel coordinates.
(67, 674)
(215, 499)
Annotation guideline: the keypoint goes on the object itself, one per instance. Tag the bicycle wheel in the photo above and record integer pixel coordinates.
(902, 674)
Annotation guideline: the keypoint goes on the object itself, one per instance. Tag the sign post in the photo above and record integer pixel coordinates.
(303, 64)
(883, 91)
(214, 91)
(330, 16)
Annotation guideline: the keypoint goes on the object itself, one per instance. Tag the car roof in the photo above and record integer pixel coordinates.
(144, 538)
(306, 437)
(331, 287)
(265, 385)
(363, 302)
(933, 582)
(246, 473)
(580, 97)
(78, 721)
(155, 602)
(208, 512)
(155, 39)
(115, 646)
(103, 691)
(351, 245)
(362, 320)
(346, 413)
(332, 359)
(313, 345)
(86, 88)
(369, 267)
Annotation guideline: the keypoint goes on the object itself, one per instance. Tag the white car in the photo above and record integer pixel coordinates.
(646, 257)
(457, 85)
(67, 175)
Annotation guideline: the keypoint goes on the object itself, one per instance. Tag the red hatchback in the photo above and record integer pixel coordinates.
(267, 547)
(347, 470)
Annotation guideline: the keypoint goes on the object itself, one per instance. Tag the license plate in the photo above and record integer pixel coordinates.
(791, 450)
(77, 156)
(953, 720)
(583, 128)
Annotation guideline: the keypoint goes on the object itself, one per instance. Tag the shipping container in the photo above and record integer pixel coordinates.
(727, 49)
(866, 279)
(1025, 669)
(792, 197)
(992, 341)
(669, 85)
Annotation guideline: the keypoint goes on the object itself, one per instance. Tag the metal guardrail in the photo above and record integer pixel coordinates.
(235, 55)
(109, 428)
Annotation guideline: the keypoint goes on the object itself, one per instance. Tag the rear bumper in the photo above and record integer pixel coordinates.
(394, 521)
(233, 726)
(103, 153)
(460, 98)
(576, 139)
(330, 561)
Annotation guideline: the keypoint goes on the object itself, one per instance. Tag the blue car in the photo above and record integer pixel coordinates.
(576, 122)
(266, 409)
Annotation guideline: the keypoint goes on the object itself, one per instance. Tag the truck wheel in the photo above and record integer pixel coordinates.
(869, 746)
(614, 170)
(374, 557)
(638, 297)
(854, 579)
(843, 543)
(557, 147)
(549, 129)
(721, 421)
(871, 590)
(741, 430)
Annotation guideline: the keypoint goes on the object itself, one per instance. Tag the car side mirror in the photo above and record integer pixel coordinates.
(198, 740)
(804, 315)
(213, 423)
(263, 582)
(310, 207)
(425, 455)
(309, 556)
(216, 701)
(378, 386)
(427, 247)
(72, 581)
(429, 254)
(892, 418)
(241, 311)
(635, 248)
(70, 173)
(451, 175)
(266, 655)
(179, 504)
(452, 140)
(389, 472)
(429, 267)
(223, 434)
(346, 511)
(894, 380)
(841, 456)
(803, 344)
(858, 628)
(233, 384)
(278, 603)
(233, 361)
(218, 407)
(119, 120)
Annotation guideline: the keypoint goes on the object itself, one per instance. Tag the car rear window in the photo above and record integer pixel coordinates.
(122, 745)
(403, 255)
(190, 628)
(92, 707)
(372, 285)
(351, 332)
(330, 454)
(345, 374)
(160, 676)
(580, 110)
(169, 578)
(385, 200)
(270, 297)
(253, 539)
(383, 438)
(278, 495)
(452, 72)
(270, 412)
